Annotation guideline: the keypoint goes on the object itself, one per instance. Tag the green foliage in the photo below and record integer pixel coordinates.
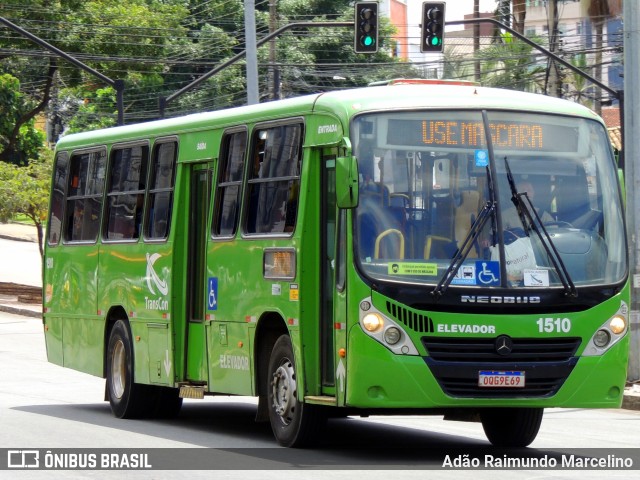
(159, 46)
(508, 65)
(97, 110)
(25, 190)
(17, 145)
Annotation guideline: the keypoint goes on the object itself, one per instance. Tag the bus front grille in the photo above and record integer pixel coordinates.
(414, 320)
(486, 349)
(457, 362)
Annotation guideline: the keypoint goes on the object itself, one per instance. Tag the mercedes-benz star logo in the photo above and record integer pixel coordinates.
(504, 345)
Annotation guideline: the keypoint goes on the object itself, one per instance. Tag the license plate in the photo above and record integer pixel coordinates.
(508, 379)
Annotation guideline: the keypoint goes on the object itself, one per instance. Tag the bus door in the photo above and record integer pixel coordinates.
(334, 307)
(198, 211)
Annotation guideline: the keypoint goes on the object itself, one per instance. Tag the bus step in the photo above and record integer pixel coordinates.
(321, 400)
(192, 391)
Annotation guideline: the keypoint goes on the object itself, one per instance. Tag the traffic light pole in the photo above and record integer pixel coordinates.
(540, 48)
(163, 101)
(118, 85)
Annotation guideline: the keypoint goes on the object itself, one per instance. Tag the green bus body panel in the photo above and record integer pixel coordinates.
(376, 378)
(384, 379)
(323, 130)
(229, 356)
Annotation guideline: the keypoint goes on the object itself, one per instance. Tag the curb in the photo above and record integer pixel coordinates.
(631, 402)
(18, 238)
(25, 312)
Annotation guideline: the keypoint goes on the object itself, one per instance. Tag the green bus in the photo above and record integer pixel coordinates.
(411, 248)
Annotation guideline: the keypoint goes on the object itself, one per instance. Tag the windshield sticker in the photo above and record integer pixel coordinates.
(413, 268)
(466, 275)
(488, 273)
(536, 278)
(482, 158)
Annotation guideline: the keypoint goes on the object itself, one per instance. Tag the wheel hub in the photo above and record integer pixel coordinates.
(283, 388)
(118, 369)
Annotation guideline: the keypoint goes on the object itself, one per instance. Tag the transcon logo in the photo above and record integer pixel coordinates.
(153, 278)
(498, 299)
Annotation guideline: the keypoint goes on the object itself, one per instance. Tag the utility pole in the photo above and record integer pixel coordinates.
(476, 40)
(553, 77)
(274, 71)
(251, 52)
(631, 148)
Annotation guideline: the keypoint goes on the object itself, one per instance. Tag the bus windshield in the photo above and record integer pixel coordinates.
(535, 181)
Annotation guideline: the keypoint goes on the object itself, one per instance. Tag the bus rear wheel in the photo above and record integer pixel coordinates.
(294, 423)
(511, 427)
(127, 399)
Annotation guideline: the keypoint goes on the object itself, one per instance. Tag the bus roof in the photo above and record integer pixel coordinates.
(344, 104)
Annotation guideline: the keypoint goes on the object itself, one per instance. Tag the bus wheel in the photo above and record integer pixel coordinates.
(511, 427)
(294, 424)
(127, 399)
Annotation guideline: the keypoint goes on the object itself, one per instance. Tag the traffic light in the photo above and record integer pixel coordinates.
(432, 39)
(366, 27)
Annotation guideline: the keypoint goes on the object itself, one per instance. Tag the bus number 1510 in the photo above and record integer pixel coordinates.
(554, 325)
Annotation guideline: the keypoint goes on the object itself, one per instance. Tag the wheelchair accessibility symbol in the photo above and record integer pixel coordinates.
(212, 300)
(488, 273)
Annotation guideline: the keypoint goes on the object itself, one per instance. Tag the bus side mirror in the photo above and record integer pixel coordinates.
(347, 182)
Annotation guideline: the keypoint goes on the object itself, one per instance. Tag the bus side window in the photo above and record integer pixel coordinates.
(125, 197)
(274, 187)
(227, 200)
(56, 212)
(160, 193)
(84, 200)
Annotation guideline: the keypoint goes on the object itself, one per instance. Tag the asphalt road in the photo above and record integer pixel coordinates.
(46, 407)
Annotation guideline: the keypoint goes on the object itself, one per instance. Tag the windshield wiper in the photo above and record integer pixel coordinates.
(531, 221)
(462, 253)
(470, 240)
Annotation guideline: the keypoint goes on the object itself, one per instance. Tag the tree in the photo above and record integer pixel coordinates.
(508, 64)
(19, 139)
(25, 191)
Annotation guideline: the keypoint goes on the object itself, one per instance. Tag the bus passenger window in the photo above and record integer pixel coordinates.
(84, 200)
(125, 198)
(274, 187)
(227, 201)
(56, 213)
(160, 194)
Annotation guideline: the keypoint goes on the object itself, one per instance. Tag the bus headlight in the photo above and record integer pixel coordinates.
(392, 335)
(601, 338)
(618, 324)
(385, 330)
(609, 333)
(372, 322)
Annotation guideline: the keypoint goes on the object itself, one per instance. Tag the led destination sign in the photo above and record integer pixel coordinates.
(529, 136)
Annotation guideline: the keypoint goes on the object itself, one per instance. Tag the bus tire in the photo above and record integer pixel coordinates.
(511, 427)
(127, 399)
(294, 424)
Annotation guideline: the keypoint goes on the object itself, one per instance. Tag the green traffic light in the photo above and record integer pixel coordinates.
(367, 41)
(435, 41)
